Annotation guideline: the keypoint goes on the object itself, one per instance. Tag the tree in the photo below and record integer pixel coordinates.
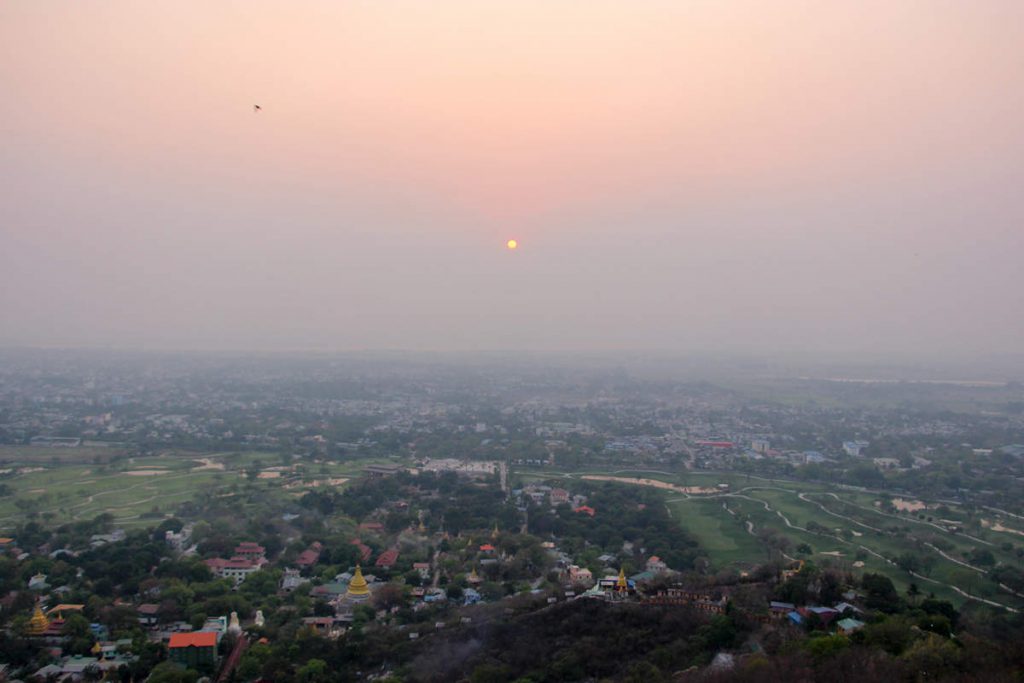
(909, 562)
(169, 672)
(881, 594)
(389, 595)
(313, 671)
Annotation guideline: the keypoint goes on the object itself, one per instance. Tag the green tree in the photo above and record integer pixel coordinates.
(313, 671)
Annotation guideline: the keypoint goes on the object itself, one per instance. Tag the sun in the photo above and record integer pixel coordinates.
(512, 244)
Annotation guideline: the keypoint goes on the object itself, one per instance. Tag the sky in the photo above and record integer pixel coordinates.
(688, 175)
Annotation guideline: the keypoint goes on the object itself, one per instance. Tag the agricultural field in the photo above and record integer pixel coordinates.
(936, 546)
(141, 491)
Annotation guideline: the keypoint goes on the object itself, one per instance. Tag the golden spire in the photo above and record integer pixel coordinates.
(620, 583)
(96, 648)
(473, 575)
(358, 587)
(494, 534)
(38, 624)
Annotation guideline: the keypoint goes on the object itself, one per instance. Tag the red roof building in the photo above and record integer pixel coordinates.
(364, 550)
(310, 556)
(387, 558)
(487, 548)
(586, 509)
(194, 639)
(250, 550)
(193, 649)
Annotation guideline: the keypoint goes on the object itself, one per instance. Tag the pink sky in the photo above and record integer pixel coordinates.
(684, 174)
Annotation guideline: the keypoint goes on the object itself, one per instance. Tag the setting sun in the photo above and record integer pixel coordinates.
(512, 244)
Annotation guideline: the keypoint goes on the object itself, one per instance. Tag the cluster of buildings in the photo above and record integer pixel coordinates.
(247, 558)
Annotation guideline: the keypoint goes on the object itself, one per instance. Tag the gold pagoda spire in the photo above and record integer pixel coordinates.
(357, 587)
(620, 583)
(38, 624)
(494, 534)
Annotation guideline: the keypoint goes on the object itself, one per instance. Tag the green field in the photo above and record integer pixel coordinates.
(844, 528)
(141, 491)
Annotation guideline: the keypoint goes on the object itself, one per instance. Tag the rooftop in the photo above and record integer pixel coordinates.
(194, 639)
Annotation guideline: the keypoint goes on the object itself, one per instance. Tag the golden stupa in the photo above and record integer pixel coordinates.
(620, 583)
(494, 534)
(357, 587)
(38, 624)
(97, 649)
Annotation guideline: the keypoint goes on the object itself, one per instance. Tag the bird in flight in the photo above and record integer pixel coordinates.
(256, 107)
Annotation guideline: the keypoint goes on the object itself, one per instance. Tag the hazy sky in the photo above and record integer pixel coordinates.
(680, 175)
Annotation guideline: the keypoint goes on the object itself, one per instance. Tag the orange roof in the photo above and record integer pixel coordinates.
(194, 639)
(487, 547)
(66, 608)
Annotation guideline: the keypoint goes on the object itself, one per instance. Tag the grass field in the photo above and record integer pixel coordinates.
(142, 491)
(842, 527)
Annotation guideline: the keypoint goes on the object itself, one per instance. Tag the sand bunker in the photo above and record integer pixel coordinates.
(996, 526)
(208, 464)
(654, 483)
(904, 505)
(269, 475)
(316, 482)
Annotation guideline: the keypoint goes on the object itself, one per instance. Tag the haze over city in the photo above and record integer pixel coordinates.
(679, 176)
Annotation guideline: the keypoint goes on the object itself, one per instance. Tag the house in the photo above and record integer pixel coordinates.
(147, 614)
(559, 496)
(586, 510)
(487, 548)
(250, 551)
(38, 583)
(387, 558)
(364, 550)
(656, 565)
(73, 668)
(237, 568)
(825, 614)
(423, 568)
(309, 557)
(376, 471)
(780, 609)
(193, 650)
(322, 625)
(854, 448)
(580, 575)
(848, 626)
(291, 579)
(330, 590)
